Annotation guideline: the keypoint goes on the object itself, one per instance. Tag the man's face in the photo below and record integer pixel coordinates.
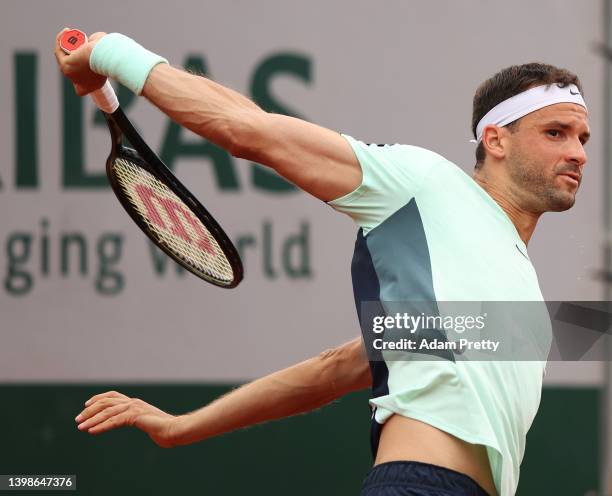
(546, 157)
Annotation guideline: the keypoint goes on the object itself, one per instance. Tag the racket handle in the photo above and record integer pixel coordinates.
(104, 98)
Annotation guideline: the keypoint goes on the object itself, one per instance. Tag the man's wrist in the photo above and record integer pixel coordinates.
(176, 430)
(183, 430)
(120, 57)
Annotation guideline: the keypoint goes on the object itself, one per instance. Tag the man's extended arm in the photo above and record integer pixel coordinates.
(297, 389)
(316, 159)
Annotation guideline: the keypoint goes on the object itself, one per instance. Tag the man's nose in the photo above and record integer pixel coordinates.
(576, 153)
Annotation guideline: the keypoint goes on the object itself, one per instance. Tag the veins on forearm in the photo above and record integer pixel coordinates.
(207, 108)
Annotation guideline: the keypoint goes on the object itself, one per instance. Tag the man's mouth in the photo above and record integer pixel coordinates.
(572, 177)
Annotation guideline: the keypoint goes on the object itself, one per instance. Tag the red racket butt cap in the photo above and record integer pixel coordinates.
(72, 39)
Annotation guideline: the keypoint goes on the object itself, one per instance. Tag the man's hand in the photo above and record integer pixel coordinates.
(110, 410)
(75, 65)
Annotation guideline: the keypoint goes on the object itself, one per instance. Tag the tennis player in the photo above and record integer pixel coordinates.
(428, 232)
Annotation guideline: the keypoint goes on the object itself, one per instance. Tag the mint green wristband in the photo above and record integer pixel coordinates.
(121, 58)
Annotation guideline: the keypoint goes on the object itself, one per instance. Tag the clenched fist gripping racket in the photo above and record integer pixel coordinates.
(155, 199)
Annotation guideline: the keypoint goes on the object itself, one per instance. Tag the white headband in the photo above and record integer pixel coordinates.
(526, 102)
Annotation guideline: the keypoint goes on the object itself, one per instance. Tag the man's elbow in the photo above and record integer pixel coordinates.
(346, 367)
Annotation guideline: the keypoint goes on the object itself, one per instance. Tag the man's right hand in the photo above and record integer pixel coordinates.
(75, 65)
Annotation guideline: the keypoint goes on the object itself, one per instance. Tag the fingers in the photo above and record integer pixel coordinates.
(109, 424)
(101, 407)
(108, 394)
(108, 412)
(97, 407)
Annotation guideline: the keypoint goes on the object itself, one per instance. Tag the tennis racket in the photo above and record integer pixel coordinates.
(155, 199)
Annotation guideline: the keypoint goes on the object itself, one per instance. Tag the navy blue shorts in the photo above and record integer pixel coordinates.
(418, 479)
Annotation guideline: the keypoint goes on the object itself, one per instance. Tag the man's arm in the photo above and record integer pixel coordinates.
(303, 387)
(316, 159)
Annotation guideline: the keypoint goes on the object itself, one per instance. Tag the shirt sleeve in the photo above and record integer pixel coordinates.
(391, 176)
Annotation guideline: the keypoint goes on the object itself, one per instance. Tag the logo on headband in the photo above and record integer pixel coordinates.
(573, 89)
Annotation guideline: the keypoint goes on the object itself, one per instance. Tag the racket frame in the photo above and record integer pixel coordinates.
(142, 156)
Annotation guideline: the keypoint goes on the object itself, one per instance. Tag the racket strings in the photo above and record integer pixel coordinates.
(171, 221)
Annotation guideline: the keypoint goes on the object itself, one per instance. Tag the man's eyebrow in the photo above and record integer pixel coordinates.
(563, 125)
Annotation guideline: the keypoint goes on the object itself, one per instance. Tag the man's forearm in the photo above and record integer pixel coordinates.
(297, 389)
(317, 160)
(209, 109)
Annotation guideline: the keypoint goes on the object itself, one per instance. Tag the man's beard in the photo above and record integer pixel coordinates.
(539, 192)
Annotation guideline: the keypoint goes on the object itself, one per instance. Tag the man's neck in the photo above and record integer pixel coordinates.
(524, 221)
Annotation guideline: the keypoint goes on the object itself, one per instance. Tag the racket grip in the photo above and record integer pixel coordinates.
(105, 98)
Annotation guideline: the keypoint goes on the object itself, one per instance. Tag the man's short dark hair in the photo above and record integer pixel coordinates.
(512, 81)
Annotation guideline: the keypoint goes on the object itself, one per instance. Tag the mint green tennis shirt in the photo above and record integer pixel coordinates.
(429, 232)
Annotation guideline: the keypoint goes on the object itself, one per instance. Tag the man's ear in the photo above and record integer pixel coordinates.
(492, 141)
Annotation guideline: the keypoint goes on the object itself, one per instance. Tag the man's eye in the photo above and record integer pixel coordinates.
(553, 132)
